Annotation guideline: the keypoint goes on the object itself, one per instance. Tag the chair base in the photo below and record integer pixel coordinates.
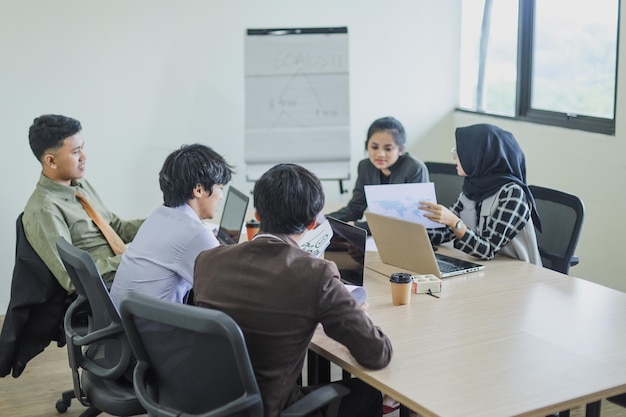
(65, 402)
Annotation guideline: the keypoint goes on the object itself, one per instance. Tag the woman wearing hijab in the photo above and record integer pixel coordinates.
(495, 212)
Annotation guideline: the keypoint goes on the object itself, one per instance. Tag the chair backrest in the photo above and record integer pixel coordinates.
(190, 360)
(104, 350)
(561, 217)
(448, 183)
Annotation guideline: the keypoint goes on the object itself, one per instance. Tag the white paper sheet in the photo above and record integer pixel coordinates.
(401, 201)
(316, 240)
(359, 293)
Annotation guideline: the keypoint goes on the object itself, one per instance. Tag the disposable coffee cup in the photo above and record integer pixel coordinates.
(252, 228)
(400, 288)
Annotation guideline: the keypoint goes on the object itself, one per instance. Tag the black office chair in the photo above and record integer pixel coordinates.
(99, 358)
(562, 217)
(194, 361)
(448, 183)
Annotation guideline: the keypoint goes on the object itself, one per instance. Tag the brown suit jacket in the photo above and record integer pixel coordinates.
(278, 294)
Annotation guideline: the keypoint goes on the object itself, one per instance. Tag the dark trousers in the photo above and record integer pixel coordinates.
(363, 400)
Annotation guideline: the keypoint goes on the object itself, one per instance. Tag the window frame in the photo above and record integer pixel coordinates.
(523, 110)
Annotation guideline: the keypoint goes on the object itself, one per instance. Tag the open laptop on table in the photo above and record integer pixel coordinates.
(233, 216)
(347, 250)
(406, 245)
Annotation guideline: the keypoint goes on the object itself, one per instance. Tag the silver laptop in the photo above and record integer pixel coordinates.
(233, 216)
(406, 245)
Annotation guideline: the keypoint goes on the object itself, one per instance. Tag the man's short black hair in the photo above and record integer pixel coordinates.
(189, 166)
(288, 198)
(48, 132)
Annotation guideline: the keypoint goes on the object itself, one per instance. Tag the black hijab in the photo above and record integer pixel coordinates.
(491, 158)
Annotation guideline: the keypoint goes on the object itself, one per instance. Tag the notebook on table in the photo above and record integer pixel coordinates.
(233, 216)
(406, 245)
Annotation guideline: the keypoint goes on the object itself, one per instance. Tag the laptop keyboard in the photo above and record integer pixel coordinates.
(224, 238)
(445, 267)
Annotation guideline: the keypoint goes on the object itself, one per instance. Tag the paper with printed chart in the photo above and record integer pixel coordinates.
(315, 241)
(402, 201)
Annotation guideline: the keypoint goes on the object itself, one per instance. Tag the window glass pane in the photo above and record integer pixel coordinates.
(575, 52)
(492, 90)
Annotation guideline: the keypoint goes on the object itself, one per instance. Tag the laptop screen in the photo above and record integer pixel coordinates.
(347, 250)
(406, 245)
(233, 216)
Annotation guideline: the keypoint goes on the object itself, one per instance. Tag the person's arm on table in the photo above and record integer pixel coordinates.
(346, 322)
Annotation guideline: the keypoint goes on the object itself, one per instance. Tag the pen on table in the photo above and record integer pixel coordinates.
(431, 293)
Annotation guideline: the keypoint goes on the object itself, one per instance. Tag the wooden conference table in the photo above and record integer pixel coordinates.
(510, 340)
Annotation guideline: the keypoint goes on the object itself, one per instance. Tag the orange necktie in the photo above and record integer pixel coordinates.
(115, 242)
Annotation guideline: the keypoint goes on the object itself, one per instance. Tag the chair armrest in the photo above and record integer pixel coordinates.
(315, 400)
(72, 313)
(75, 339)
(98, 335)
(573, 260)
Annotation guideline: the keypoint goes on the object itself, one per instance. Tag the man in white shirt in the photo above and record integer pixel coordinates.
(160, 260)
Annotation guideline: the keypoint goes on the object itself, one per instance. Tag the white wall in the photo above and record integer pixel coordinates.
(145, 76)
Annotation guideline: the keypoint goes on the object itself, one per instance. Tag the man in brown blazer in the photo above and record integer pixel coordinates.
(278, 294)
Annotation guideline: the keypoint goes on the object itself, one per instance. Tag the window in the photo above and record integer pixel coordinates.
(550, 61)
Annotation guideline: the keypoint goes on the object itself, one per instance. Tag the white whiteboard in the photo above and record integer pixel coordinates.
(297, 100)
